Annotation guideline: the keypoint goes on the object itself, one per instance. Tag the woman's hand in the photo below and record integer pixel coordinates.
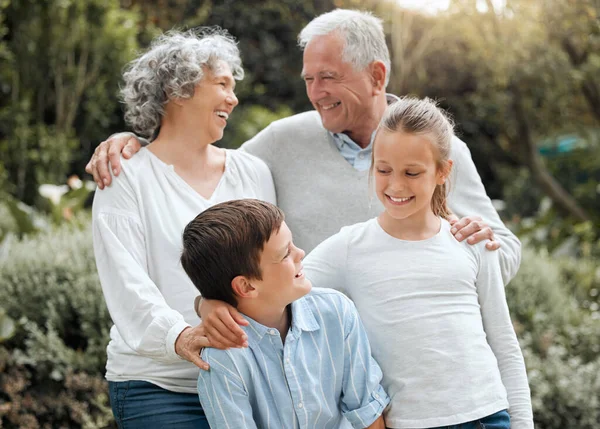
(190, 343)
(221, 323)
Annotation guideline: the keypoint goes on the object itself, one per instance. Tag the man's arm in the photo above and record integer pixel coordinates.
(223, 393)
(108, 154)
(468, 197)
(363, 399)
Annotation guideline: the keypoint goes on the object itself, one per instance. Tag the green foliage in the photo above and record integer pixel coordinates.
(61, 68)
(7, 326)
(56, 297)
(550, 301)
(51, 369)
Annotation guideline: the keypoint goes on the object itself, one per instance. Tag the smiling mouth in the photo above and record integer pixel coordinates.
(222, 114)
(399, 201)
(299, 274)
(331, 106)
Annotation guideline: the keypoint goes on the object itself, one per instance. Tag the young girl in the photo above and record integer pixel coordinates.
(434, 308)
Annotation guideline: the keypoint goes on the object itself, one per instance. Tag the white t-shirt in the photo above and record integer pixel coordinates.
(437, 320)
(138, 223)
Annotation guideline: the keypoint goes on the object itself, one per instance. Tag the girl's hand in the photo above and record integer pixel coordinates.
(474, 229)
(221, 324)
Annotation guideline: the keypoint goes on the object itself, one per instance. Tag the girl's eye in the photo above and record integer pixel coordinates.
(382, 171)
(412, 174)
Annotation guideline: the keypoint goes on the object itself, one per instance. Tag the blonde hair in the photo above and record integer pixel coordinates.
(422, 117)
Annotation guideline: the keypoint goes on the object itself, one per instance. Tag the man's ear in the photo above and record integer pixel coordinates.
(378, 75)
(444, 172)
(243, 288)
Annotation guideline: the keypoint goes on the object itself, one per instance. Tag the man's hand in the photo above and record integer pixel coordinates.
(222, 324)
(474, 229)
(190, 343)
(108, 154)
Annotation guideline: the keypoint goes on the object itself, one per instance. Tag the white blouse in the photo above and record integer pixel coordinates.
(138, 223)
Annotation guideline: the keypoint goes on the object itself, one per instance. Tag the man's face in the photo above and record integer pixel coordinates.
(342, 96)
(281, 267)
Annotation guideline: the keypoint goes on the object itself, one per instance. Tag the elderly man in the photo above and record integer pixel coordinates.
(320, 159)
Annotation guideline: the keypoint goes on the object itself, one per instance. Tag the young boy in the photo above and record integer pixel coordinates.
(308, 362)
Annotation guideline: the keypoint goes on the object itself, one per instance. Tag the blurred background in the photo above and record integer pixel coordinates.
(520, 77)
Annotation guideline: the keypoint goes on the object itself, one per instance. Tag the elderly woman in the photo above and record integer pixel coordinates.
(181, 93)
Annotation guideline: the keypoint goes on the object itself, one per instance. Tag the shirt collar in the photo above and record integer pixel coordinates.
(303, 319)
(340, 139)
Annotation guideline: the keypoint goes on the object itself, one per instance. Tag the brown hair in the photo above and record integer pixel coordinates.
(422, 117)
(226, 241)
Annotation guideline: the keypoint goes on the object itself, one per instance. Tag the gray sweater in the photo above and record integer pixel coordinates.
(320, 192)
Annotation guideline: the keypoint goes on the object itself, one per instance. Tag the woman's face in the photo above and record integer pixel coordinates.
(213, 101)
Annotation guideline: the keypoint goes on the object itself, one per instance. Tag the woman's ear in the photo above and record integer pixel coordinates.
(243, 288)
(444, 172)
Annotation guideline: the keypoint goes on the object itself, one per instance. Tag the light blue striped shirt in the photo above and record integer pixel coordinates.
(323, 376)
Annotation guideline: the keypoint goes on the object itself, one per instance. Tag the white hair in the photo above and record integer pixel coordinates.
(362, 32)
(171, 68)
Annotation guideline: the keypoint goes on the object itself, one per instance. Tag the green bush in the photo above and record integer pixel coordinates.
(54, 364)
(560, 338)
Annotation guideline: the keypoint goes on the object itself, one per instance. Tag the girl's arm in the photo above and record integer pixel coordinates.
(502, 338)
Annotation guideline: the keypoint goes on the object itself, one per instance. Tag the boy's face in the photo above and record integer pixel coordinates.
(281, 266)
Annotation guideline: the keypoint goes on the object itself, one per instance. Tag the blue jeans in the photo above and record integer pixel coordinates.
(143, 405)
(499, 420)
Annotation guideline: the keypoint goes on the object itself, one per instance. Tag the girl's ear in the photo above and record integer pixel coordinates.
(444, 172)
(243, 288)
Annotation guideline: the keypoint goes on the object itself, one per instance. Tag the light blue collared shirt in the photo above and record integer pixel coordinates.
(356, 156)
(323, 376)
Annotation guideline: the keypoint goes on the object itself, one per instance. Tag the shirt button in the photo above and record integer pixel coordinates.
(272, 332)
(287, 360)
(361, 155)
(376, 396)
(300, 405)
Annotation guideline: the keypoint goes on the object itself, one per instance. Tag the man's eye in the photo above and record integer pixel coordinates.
(308, 79)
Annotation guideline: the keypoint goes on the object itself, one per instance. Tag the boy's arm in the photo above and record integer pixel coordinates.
(223, 393)
(377, 424)
(363, 399)
(467, 196)
(502, 339)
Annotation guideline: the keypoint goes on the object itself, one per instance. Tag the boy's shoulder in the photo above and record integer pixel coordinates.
(329, 303)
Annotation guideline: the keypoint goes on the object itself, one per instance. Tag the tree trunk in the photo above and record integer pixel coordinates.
(559, 195)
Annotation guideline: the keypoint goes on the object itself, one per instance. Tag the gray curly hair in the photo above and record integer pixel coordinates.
(362, 32)
(171, 68)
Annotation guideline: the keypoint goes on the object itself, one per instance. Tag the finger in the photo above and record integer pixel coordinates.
(102, 164)
(485, 234)
(114, 155)
(95, 172)
(218, 342)
(197, 360)
(492, 245)
(225, 333)
(133, 146)
(468, 230)
(452, 219)
(239, 319)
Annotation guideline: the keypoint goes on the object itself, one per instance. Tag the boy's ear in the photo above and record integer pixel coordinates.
(243, 288)
(445, 172)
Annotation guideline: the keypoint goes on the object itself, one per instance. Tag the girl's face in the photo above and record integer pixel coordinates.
(406, 173)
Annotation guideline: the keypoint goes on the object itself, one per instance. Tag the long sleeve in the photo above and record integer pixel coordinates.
(138, 309)
(363, 399)
(503, 340)
(468, 197)
(223, 394)
(325, 265)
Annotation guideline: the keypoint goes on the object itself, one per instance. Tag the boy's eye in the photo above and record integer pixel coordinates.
(287, 254)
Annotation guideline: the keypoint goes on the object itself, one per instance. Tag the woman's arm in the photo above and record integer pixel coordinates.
(145, 321)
